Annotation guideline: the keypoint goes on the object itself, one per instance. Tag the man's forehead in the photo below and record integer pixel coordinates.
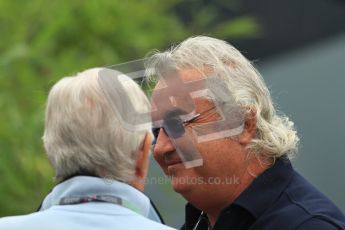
(184, 90)
(186, 75)
(202, 103)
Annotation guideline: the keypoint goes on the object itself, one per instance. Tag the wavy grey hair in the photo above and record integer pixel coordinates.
(235, 77)
(82, 132)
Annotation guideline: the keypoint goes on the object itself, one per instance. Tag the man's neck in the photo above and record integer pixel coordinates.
(213, 213)
(253, 171)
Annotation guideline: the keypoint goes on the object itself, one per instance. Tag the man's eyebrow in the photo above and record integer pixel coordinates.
(196, 116)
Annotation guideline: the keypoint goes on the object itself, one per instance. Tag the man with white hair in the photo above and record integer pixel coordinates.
(100, 161)
(224, 145)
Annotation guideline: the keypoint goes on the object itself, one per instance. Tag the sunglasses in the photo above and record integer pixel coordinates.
(176, 126)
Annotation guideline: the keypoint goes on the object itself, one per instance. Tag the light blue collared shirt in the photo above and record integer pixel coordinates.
(135, 213)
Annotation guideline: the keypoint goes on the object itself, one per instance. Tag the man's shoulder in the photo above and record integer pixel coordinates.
(29, 221)
(304, 205)
(319, 223)
(304, 195)
(56, 219)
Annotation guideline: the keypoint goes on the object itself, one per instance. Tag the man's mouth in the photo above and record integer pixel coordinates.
(172, 159)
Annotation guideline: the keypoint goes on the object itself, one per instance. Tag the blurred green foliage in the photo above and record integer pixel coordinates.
(42, 41)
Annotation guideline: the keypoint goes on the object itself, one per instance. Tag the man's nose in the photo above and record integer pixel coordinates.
(163, 144)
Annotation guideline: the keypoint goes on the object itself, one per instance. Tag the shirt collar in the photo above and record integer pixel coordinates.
(260, 194)
(87, 186)
(266, 188)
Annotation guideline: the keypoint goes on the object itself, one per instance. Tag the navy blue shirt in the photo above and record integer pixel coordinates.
(279, 198)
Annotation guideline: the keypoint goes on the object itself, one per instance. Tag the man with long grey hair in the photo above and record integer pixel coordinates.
(100, 160)
(225, 146)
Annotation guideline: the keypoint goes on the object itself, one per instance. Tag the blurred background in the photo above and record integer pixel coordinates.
(298, 46)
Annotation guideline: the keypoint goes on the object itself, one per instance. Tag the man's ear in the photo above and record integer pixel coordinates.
(249, 129)
(142, 163)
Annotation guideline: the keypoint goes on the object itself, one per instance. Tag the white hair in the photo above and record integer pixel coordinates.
(82, 132)
(234, 77)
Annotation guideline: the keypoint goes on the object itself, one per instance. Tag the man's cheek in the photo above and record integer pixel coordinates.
(162, 164)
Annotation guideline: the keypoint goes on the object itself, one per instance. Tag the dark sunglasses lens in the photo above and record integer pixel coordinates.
(155, 132)
(174, 128)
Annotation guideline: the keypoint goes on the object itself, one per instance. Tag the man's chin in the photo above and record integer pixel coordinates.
(180, 185)
(182, 180)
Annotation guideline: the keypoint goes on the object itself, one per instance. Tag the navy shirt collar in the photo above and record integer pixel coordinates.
(255, 200)
(266, 188)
